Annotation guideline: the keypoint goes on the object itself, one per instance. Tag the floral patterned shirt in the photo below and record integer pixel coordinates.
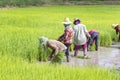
(67, 36)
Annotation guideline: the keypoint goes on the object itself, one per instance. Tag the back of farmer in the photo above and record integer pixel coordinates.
(55, 45)
(80, 38)
(94, 39)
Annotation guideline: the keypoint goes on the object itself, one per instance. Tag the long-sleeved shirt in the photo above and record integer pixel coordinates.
(67, 36)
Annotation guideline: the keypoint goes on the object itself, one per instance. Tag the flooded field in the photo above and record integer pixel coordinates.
(108, 57)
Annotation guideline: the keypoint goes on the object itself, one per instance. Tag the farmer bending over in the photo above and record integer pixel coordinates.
(55, 45)
(94, 39)
(117, 28)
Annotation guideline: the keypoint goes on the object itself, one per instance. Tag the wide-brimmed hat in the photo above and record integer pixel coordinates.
(67, 21)
(114, 25)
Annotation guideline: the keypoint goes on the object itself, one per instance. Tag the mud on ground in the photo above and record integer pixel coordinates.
(108, 57)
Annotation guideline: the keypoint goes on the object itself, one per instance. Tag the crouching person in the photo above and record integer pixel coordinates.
(117, 29)
(93, 39)
(55, 45)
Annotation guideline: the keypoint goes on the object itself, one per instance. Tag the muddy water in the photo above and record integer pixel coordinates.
(108, 57)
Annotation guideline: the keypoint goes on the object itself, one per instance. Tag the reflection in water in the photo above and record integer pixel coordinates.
(105, 57)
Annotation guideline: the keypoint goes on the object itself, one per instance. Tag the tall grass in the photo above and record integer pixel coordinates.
(20, 29)
(12, 68)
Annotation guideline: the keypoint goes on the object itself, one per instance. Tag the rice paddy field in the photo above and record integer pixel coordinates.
(20, 29)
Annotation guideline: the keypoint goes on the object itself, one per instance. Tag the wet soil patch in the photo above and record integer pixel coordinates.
(108, 57)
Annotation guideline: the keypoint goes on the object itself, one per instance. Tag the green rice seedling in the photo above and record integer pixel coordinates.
(21, 27)
(105, 39)
(19, 69)
(58, 58)
(92, 48)
(82, 57)
(43, 55)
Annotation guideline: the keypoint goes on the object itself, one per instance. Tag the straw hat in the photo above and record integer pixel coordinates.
(67, 21)
(114, 25)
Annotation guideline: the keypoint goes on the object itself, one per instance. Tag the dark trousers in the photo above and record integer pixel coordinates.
(67, 50)
(94, 37)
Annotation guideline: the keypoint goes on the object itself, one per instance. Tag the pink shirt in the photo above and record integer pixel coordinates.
(91, 31)
(68, 35)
